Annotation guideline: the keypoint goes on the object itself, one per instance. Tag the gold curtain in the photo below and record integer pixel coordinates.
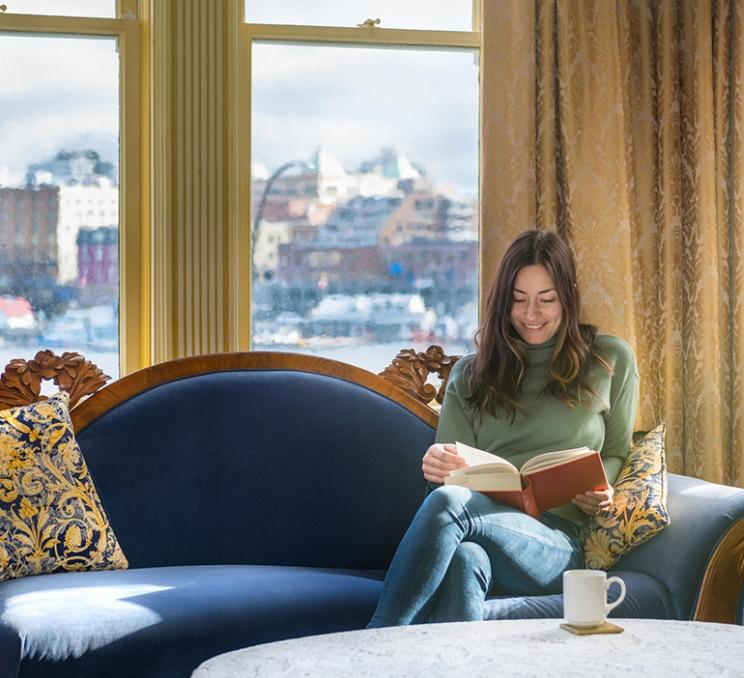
(619, 124)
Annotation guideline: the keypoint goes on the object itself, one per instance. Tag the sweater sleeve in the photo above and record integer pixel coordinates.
(455, 417)
(455, 421)
(620, 418)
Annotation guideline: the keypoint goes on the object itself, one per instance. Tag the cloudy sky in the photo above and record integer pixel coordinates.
(56, 93)
(448, 15)
(62, 93)
(354, 101)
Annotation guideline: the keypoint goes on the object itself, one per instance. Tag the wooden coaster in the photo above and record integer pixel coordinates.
(604, 627)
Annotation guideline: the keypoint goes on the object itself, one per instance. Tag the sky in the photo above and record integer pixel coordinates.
(354, 101)
(450, 15)
(62, 93)
(56, 93)
(96, 8)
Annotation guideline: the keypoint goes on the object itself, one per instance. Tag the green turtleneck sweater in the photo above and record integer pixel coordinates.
(544, 423)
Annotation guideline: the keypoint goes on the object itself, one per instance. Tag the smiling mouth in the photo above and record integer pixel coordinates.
(534, 327)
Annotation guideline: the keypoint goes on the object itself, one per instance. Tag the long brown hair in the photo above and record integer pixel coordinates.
(500, 362)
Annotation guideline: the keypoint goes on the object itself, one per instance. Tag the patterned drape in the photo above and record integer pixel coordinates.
(619, 124)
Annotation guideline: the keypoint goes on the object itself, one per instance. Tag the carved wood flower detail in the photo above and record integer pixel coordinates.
(410, 370)
(19, 371)
(62, 369)
(20, 383)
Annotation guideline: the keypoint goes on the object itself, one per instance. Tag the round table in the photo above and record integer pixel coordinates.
(536, 647)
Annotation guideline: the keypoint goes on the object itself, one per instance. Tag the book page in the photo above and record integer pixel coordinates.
(551, 459)
(486, 482)
(476, 457)
(495, 469)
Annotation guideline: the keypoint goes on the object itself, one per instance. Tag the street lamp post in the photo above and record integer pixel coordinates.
(264, 196)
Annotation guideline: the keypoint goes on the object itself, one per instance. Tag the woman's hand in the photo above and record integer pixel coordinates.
(593, 503)
(439, 460)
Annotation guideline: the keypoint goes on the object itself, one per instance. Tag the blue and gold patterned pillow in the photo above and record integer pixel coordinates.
(51, 517)
(639, 507)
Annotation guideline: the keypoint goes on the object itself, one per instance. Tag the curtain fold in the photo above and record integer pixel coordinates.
(633, 136)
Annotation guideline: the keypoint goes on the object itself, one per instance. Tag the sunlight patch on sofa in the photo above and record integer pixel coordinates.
(83, 618)
(720, 492)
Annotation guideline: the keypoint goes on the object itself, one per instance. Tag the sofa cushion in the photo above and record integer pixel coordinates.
(166, 621)
(213, 464)
(646, 598)
(639, 507)
(51, 517)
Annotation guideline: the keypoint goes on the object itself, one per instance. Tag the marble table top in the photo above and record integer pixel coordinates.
(536, 647)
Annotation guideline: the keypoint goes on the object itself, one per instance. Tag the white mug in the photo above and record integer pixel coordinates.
(585, 596)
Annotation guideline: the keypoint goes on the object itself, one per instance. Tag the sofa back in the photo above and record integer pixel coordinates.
(264, 466)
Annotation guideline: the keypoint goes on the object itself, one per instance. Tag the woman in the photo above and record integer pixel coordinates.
(539, 381)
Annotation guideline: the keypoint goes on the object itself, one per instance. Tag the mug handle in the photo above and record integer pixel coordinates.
(620, 598)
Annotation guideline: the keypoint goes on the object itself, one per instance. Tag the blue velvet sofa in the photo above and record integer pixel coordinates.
(260, 496)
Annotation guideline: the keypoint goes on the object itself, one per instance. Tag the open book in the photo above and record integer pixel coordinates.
(545, 481)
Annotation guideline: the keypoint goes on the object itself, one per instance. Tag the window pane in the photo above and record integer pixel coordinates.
(365, 175)
(440, 15)
(105, 9)
(59, 214)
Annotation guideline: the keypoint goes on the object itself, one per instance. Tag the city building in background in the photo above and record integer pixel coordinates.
(370, 255)
(28, 233)
(59, 255)
(375, 254)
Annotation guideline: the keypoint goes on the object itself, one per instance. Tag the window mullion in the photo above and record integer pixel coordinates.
(363, 36)
(33, 23)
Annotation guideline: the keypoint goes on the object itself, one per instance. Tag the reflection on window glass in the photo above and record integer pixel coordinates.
(365, 204)
(440, 15)
(59, 198)
(92, 8)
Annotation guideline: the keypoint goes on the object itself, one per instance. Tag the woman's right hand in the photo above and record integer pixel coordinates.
(439, 460)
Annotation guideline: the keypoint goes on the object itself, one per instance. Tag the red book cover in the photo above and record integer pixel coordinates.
(524, 500)
(559, 484)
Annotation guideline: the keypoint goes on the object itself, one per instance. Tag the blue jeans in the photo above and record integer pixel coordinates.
(461, 546)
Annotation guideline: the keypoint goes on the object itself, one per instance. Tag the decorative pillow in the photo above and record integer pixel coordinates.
(639, 508)
(51, 517)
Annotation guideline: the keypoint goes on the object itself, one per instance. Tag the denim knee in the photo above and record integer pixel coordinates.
(465, 586)
(447, 498)
(468, 559)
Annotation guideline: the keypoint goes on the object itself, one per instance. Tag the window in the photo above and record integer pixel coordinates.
(364, 146)
(64, 158)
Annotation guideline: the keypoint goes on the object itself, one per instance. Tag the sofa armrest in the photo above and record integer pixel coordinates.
(698, 557)
(720, 592)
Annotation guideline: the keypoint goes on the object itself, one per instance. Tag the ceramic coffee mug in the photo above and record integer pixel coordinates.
(585, 596)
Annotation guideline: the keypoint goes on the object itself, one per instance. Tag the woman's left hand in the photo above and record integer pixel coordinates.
(593, 503)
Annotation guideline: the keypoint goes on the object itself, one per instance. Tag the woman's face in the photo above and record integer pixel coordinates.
(536, 311)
